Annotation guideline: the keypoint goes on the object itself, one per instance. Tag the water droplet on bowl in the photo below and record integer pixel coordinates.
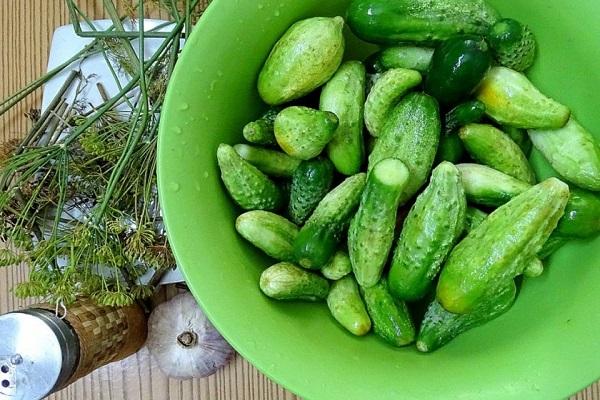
(174, 186)
(205, 174)
(184, 106)
(261, 6)
(177, 130)
(277, 13)
(219, 73)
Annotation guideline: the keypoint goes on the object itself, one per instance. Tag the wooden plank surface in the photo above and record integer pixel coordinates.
(26, 30)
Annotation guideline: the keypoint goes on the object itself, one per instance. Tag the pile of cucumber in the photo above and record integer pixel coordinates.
(399, 189)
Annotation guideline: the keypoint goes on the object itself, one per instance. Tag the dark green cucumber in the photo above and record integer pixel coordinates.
(344, 95)
(271, 162)
(440, 326)
(261, 131)
(582, 215)
(457, 67)
(432, 227)
(473, 218)
(409, 57)
(347, 307)
(520, 137)
(249, 188)
(489, 187)
(318, 239)
(466, 113)
(411, 135)
(270, 232)
(552, 245)
(450, 149)
(397, 21)
(310, 183)
(371, 231)
(391, 318)
(513, 44)
(286, 281)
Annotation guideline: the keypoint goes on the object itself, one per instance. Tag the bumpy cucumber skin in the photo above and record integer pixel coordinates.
(249, 188)
(338, 267)
(411, 135)
(511, 99)
(310, 183)
(270, 232)
(397, 21)
(572, 152)
(473, 218)
(582, 215)
(347, 307)
(286, 281)
(409, 57)
(463, 114)
(385, 94)
(344, 95)
(371, 231)
(432, 227)
(513, 44)
(261, 131)
(391, 318)
(317, 240)
(271, 162)
(495, 251)
(494, 148)
(440, 326)
(305, 57)
(488, 187)
(303, 132)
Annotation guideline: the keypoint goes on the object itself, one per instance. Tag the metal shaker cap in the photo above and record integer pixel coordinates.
(38, 354)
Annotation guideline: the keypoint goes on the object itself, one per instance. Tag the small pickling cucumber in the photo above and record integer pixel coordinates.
(450, 149)
(520, 137)
(494, 253)
(303, 59)
(347, 307)
(286, 281)
(371, 231)
(511, 99)
(552, 245)
(457, 67)
(488, 187)
(411, 135)
(582, 215)
(397, 21)
(271, 162)
(432, 227)
(249, 188)
(513, 44)
(492, 147)
(344, 95)
(409, 57)
(534, 268)
(270, 232)
(338, 267)
(318, 239)
(473, 218)
(463, 114)
(261, 130)
(440, 326)
(385, 94)
(391, 318)
(304, 132)
(310, 183)
(572, 152)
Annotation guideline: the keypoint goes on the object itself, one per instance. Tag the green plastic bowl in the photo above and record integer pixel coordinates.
(546, 347)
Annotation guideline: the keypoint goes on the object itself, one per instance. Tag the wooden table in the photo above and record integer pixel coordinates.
(26, 29)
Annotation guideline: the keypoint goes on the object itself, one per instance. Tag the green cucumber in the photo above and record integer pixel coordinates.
(495, 252)
(473, 218)
(391, 318)
(385, 94)
(450, 149)
(440, 326)
(494, 148)
(582, 215)
(286, 281)
(303, 59)
(488, 187)
(432, 227)
(344, 95)
(511, 99)
(457, 67)
(409, 57)
(338, 267)
(347, 307)
(552, 245)
(534, 268)
(397, 21)
(304, 132)
(513, 44)
(310, 183)
(317, 240)
(261, 131)
(520, 137)
(371, 231)
(573, 153)
(411, 135)
(249, 188)
(270, 232)
(463, 114)
(271, 162)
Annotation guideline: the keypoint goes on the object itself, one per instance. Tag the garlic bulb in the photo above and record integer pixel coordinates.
(184, 342)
